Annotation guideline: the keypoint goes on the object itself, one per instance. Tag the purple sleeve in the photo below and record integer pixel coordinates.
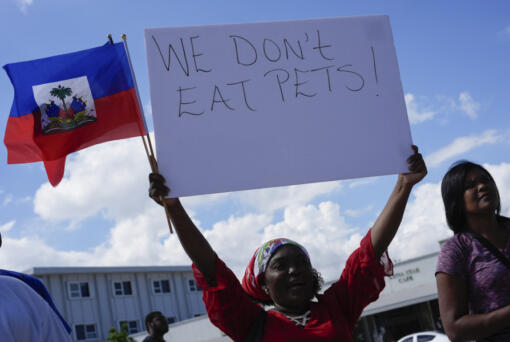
(451, 258)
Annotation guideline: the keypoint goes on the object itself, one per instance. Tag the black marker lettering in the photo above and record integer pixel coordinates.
(279, 52)
(278, 80)
(195, 55)
(244, 93)
(222, 99)
(297, 84)
(327, 74)
(181, 103)
(288, 46)
(341, 69)
(254, 50)
(320, 47)
(170, 50)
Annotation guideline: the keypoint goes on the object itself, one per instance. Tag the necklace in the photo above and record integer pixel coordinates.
(299, 320)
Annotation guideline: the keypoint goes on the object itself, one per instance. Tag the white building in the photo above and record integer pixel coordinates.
(94, 299)
(407, 304)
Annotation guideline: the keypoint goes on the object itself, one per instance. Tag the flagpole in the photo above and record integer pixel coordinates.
(150, 155)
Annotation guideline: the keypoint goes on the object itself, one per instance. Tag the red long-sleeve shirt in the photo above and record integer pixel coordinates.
(332, 317)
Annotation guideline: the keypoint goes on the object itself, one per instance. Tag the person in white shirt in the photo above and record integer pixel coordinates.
(25, 316)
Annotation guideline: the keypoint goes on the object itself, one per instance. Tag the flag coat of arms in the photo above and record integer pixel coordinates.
(68, 102)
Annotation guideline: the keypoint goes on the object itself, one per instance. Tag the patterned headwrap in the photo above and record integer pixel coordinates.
(258, 265)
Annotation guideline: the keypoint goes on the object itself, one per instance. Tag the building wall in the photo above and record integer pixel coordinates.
(106, 306)
(408, 304)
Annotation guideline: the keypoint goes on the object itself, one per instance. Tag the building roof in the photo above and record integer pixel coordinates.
(399, 263)
(113, 269)
(406, 297)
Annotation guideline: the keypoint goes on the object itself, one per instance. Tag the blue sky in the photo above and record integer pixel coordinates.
(453, 58)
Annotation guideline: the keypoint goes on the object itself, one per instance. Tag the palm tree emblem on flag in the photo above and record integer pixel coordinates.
(61, 93)
(63, 109)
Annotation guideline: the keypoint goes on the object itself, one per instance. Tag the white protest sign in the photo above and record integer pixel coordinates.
(268, 104)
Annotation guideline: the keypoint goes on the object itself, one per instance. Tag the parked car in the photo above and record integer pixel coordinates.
(425, 336)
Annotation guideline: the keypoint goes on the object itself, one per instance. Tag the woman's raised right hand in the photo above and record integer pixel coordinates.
(158, 191)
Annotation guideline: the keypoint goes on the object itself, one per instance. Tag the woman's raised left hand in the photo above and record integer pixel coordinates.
(417, 168)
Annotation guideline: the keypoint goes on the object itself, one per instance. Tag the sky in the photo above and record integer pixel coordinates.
(453, 59)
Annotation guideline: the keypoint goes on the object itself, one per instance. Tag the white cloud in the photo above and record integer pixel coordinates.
(358, 212)
(147, 109)
(269, 200)
(21, 254)
(24, 4)
(140, 240)
(7, 200)
(417, 115)
(501, 175)
(462, 145)
(109, 179)
(7, 226)
(362, 181)
(507, 30)
(144, 240)
(25, 199)
(421, 109)
(236, 239)
(324, 233)
(423, 225)
(469, 106)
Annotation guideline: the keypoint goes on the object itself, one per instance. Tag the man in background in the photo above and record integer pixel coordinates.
(157, 326)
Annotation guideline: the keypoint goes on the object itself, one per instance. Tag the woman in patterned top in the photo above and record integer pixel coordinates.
(280, 274)
(472, 283)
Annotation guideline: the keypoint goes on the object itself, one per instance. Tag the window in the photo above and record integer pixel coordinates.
(170, 320)
(408, 339)
(78, 289)
(161, 286)
(85, 332)
(425, 338)
(132, 326)
(122, 288)
(193, 286)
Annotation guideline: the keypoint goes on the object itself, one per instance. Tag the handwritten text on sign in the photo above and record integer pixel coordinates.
(256, 105)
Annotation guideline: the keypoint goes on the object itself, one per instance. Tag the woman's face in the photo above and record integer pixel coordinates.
(480, 193)
(289, 279)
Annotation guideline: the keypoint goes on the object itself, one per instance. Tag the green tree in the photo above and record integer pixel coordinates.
(119, 336)
(61, 93)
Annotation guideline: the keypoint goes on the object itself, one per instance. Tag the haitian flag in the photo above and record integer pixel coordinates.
(68, 102)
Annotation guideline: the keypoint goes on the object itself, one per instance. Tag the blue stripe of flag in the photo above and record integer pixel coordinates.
(106, 68)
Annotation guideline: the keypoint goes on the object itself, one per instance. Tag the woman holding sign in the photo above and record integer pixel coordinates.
(280, 274)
